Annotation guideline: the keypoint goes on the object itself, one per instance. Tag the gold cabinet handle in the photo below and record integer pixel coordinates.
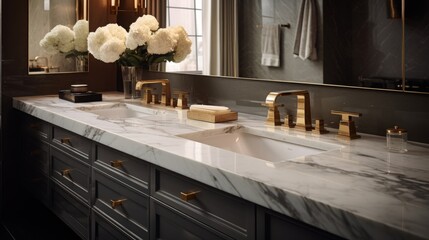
(65, 141)
(66, 172)
(117, 203)
(116, 163)
(188, 196)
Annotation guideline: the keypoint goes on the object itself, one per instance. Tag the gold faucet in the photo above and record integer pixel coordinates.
(303, 118)
(165, 92)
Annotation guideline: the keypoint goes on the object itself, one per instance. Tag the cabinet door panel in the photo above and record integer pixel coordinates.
(71, 172)
(168, 223)
(104, 229)
(131, 208)
(275, 226)
(224, 212)
(135, 172)
(71, 210)
(72, 143)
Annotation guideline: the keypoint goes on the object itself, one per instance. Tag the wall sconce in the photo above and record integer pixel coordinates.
(114, 6)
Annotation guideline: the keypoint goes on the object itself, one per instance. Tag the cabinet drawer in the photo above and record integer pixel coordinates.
(71, 143)
(36, 127)
(71, 210)
(71, 172)
(36, 156)
(224, 212)
(168, 223)
(132, 171)
(105, 229)
(126, 207)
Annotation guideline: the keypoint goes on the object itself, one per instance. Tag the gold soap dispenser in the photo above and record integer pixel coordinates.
(396, 138)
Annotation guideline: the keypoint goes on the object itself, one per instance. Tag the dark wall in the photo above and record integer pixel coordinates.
(381, 109)
(363, 44)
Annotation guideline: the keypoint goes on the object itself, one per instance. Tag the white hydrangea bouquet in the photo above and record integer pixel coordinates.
(71, 42)
(145, 43)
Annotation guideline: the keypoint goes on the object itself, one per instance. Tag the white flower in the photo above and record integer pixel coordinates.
(81, 31)
(162, 42)
(59, 39)
(149, 21)
(138, 35)
(107, 43)
(184, 44)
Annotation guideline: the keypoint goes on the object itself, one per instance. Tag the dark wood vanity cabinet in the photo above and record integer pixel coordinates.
(102, 193)
(201, 206)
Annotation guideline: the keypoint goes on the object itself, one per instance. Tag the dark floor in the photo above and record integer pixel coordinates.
(4, 233)
(34, 222)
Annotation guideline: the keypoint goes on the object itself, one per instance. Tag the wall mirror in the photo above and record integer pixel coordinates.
(358, 41)
(57, 36)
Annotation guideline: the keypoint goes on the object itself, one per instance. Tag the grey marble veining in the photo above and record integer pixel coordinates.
(359, 191)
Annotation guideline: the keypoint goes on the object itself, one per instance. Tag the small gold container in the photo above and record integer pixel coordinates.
(396, 139)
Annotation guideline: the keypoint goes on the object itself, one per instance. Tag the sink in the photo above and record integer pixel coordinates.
(121, 110)
(260, 144)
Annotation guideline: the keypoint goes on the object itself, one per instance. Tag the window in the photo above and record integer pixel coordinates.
(187, 13)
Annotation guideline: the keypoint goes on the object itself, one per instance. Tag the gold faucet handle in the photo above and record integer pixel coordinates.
(273, 115)
(346, 116)
(347, 125)
(182, 99)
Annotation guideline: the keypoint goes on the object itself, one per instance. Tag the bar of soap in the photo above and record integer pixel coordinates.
(209, 108)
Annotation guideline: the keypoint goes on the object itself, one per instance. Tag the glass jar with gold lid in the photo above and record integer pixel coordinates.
(396, 138)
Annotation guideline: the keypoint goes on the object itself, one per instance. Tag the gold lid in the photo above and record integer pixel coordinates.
(396, 129)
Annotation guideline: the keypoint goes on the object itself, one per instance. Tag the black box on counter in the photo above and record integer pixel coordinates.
(79, 97)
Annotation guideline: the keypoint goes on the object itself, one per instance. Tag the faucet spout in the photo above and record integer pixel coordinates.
(303, 119)
(165, 92)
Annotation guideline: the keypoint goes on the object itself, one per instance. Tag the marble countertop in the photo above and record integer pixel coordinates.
(357, 191)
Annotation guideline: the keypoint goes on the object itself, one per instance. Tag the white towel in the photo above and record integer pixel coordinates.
(270, 43)
(306, 31)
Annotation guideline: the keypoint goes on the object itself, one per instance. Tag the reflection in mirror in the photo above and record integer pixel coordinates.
(57, 35)
(358, 42)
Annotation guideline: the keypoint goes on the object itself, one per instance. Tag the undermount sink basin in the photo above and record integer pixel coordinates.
(260, 144)
(121, 111)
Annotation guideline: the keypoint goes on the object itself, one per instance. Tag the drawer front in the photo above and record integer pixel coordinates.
(36, 127)
(71, 143)
(36, 156)
(133, 171)
(168, 223)
(71, 210)
(105, 229)
(39, 187)
(226, 213)
(126, 207)
(71, 172)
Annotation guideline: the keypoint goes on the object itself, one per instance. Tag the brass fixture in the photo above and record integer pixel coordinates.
(303, 118)
(66, 172)
(188, 196)
(117, 203)
(165, 92)
(65, 141)
(114, 6)
(347, 125)
(319, 127)
(147, 96)
(289, 121)
(116, 163)
(182, 99)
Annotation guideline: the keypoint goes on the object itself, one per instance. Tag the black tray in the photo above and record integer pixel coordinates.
(79, 97)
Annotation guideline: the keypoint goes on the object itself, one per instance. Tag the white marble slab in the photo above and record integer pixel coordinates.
(359, 191)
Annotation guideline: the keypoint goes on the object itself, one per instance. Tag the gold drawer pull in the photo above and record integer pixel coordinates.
(66, 172)
(117, 203)
(65, 141)
(188, 196)
(116, 163)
